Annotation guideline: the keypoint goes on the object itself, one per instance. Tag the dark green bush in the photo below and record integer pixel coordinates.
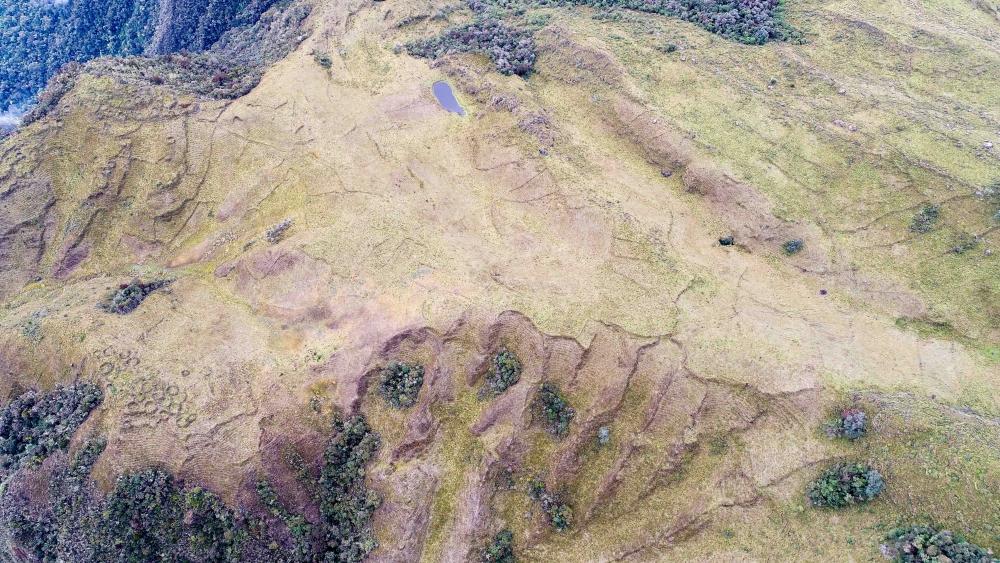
(844, 484)
(556, 410)
(399, 384)
(793, 247)
(504, 372)
(923, 222)
(500, 550)
(33, 425)
(559, 513)
(927, 544)
(130, 295)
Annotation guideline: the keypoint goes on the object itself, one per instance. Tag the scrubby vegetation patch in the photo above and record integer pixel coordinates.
(924, 220)
(926, 544)
(59, 531)
(559, 513)
(505, 371)
(149, 516)
(34, 425)
(500, 549)
(300, 529)
(399, 384)
(852, 423)
(747, 21)
(277, 232)
(129, 296)
(845, 484)
(557, 412)
(965, 243)
(511, 49)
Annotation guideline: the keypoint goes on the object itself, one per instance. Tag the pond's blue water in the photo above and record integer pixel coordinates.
(445, 97)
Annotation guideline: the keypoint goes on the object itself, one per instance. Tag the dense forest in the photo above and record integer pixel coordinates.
(37, 37)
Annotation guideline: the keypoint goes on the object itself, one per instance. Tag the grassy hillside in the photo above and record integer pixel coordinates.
(335, 220)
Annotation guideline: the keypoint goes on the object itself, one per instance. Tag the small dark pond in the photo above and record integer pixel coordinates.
(445, 97)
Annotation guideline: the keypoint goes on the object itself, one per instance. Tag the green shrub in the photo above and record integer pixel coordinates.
(844, 484)
(500, 550)
(556, 410)
(927, 544)
(33, 425)
(923, 222)
(399, 384)
(130, 295)
(793, 246)
(323, 60)
(504, 372)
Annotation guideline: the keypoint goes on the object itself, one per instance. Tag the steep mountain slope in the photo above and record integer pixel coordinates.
(572, 218)
(40, 36)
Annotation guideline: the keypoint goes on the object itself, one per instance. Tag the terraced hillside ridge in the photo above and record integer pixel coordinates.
(591, 374)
